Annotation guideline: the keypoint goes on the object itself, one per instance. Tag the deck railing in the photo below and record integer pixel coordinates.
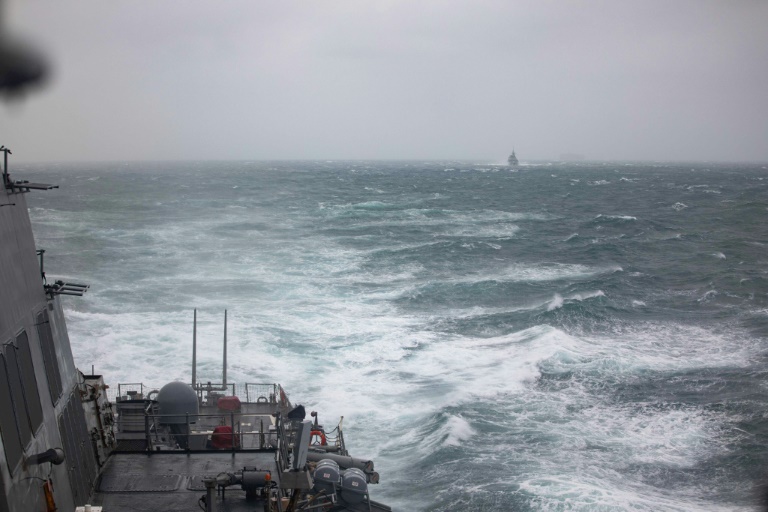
(198, 431)
(247, 393)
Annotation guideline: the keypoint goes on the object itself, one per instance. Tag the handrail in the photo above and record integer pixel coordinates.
(250, 392)
(132, 386)
(197, 424)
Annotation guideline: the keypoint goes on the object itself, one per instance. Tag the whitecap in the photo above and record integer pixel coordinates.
(557, 302)
(587, 295)
(458, 430)
(616, 217)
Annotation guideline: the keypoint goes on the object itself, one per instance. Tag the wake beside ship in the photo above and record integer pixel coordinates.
(68, 442)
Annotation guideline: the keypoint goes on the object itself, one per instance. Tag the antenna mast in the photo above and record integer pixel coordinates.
(224, 377)
(194, 351)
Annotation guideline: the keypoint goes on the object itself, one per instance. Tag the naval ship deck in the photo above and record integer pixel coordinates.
(162, 462)
(172, 481)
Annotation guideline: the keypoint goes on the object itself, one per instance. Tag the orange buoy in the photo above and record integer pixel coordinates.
(321, 435)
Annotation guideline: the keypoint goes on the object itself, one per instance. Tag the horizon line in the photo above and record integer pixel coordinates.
(473, 161)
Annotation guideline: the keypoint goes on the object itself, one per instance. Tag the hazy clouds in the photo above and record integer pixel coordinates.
(393, 79)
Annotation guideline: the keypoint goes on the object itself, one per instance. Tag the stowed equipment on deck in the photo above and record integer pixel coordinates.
(242, 445)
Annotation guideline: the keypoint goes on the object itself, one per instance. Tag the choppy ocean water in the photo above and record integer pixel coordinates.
(564, 337)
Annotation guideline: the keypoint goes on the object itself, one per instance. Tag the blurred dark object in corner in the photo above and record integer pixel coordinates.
(762, 496)
(21, 67)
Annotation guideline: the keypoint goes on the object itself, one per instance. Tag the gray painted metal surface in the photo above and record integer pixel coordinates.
(22, 302)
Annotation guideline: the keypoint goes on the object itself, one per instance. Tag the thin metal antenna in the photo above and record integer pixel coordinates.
(224, 378)
(5, 164)
(194, 352)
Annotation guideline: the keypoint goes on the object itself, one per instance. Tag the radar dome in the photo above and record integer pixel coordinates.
(177, 403)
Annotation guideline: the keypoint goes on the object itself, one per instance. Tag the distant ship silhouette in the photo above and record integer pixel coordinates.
(512, 160)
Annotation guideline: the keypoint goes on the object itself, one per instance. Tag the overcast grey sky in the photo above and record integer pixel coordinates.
(426, 79)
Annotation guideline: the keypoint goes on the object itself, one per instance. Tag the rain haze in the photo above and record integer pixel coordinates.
(139, 80)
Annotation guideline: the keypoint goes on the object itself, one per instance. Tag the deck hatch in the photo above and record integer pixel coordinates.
(139, 483)
(196, 482)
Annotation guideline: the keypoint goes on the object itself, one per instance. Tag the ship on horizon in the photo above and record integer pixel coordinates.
(512, 160)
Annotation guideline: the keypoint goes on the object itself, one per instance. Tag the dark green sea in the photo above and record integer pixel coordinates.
(588, 336)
